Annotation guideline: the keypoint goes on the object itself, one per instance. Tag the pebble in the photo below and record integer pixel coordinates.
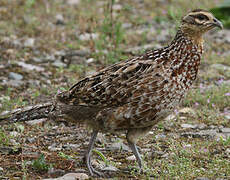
(90, 60)
(131, 158)
(160, 136)
(36, 121)
(72, 146)
(14, 133)
(88, 36)
(29, 42)
(227, 117)
(54, 148)
(211, 133)
(30, 67)
(71, 176)
(223, 68)
(59, 19)
(15, 76)
(119, 146)
(110, 168)
(73, 2)
(187, 111)
(58, 63)
(14, 83)
(225, 130)
(202, 178)
(1, 169)
(188, 126)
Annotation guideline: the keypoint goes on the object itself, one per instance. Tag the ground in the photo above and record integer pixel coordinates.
(47, 46)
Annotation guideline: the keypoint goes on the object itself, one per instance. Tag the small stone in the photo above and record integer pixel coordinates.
(1, 169)
(201, 134)
(59, 19)
(30, 140)
(29, 42)
(156, 154)
(14, 133)
(225, 130)
(54, 148)
(90, 60)
(165, 155)
(72, 146)
(58, 63)
(170, 117)
(227, 117)
(202, 178)
(36, 121)
(71, 176)
(117, 7)
(188, 126)
(119, 146)
(126, 25)
(110, 168)
(88, 36)
(131, 158)
(73, 2)
(187, 111)
(222, 68)
(160, 136)
(15, 76)
(14, 83)
(30, 67)
(228, 151)
(14, 142)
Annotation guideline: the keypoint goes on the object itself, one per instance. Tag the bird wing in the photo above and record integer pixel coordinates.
(116, 85)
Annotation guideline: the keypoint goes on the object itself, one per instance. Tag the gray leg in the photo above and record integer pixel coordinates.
(132, 136)
(136, 153)
(92, 171)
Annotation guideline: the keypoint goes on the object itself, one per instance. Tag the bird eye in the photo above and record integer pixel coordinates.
(202, 17)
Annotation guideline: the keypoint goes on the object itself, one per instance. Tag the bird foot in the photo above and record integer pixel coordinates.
(94, 172)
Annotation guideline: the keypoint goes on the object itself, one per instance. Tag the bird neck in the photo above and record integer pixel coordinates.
(195, 37)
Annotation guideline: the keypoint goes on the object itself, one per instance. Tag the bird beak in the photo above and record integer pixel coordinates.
(217, 23)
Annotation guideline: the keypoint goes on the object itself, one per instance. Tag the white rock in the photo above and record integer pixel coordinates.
(36, 121)
(225, 130)
(30, 67)
(14, 133)
(71, 176)
(90, 60)
(88, 36)
(29, 42)
(188, 126)
(73, 2)
(187, 111)
(131, 158)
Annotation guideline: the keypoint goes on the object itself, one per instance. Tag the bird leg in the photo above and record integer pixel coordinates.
(92, 171)
(135, 151)
(132, 137)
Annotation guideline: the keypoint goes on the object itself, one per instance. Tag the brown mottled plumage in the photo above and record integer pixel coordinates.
(134, 95)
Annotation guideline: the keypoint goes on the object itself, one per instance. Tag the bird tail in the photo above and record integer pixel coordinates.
(28, 113)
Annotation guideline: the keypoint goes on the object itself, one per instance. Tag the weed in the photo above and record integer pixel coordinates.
(63, 155)
(111, 35)
(40, 164)
(4, 138)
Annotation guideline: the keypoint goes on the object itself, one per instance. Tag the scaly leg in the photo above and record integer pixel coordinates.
(136, 153)
(132, 136)
(92, 171)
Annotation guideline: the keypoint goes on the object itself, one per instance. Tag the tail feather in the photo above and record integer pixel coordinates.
(28, 113)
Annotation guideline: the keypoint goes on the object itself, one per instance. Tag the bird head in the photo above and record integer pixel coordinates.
(199, 21)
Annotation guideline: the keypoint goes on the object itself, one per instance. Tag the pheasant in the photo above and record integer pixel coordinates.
(133, 95)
